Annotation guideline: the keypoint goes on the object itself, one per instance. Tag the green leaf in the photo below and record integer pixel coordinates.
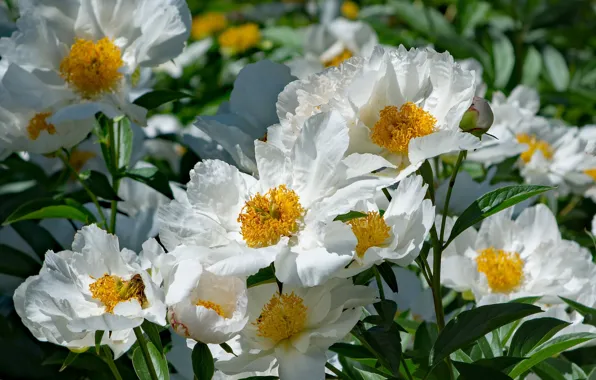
(558, 369)
(38, 238)
(349, 216)
(500, 363)
(386, 310)
(426, 171)
(99, 185)
(370, 375)
(491, 203)
(153, 178)
(202, 362)
(226, 347)
(532, 67)
(69, 359)
(98, 338)
(47, 208)
(425, 337)
(469, 371)
(556, 68)
(263, 276)
(588, 313)
(388, 275)
(533, 333)
(260, 378)
(470, 325)
(549, 349)
(159, 363)
(153, 333)
(386, 345)
(351, 351)
(503, 59)
(17, 263)
(426, 20)
(154, 99)
(126, 139)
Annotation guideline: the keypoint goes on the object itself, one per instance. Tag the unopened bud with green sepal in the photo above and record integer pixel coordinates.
(478, 118)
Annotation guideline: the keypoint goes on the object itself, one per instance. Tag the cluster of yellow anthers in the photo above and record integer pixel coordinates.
(111, 290)
(283, 317)
(503, 270)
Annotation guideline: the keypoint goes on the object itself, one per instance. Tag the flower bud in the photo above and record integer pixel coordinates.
(478, 118)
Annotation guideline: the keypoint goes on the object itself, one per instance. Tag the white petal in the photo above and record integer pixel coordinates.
(440, 142)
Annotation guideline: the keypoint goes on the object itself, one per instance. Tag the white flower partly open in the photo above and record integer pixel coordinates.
(249, 113)
(282, 215)
(403, 105)
(201, 305)
(508, 259)
(88, 49)
(94, 287)
(297, 326)
(398, 234)
(329, 44)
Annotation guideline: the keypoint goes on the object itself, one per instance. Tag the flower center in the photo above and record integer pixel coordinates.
(370, 230)
(534, 144)
(208, 24)
(92, 68)
(39, 123)
(78, 159)
(283, 317)
(239, 39)
(503, 270)
(111, 290)
(335, 61)
(591, 173)
(211, 305)
(396, 127)
(349, 9)
(266, 218)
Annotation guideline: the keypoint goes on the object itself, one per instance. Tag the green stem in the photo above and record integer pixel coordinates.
(436, 279)
(379, 283)
(387, 195)
(460, 159)
(335, 370)
(403, 363)
(113, 144)
(145, 350)
(109, 359)
(87, 189)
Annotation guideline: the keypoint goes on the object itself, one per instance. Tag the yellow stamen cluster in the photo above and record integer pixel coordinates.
(591, 173)
(335, 61)
(283, 317)
(350, 9)
(111, 290)
(78, 159)
(239, 39)
(503, 270)
(396, 127)
(534, 144)
(370, 230)
(39, 123)
(266, 218)
(208, 24)
(92, 68)
(211, 305)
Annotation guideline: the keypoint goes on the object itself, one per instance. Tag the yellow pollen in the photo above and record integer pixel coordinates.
(534, 144)
(503, 270)
(264, 219)
(370, 230)
(283, 317)
(396, 127)
(207, 24)
(78, 159)
(39, 123)
(213, 306)
(591, 173)
(350, 9)
(111, 290)
(91, 68)
(239, 39)
(335, 61)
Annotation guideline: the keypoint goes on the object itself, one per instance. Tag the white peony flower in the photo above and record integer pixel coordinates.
(472, 64)
(330, 44)
(286, 216)
(508, 259)
(582, 180)
(297, 326)
(94, 287)
(403, 105)
(191, 54)
(249, 113)
(88, 49)
(395, 236)
(201, 305)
